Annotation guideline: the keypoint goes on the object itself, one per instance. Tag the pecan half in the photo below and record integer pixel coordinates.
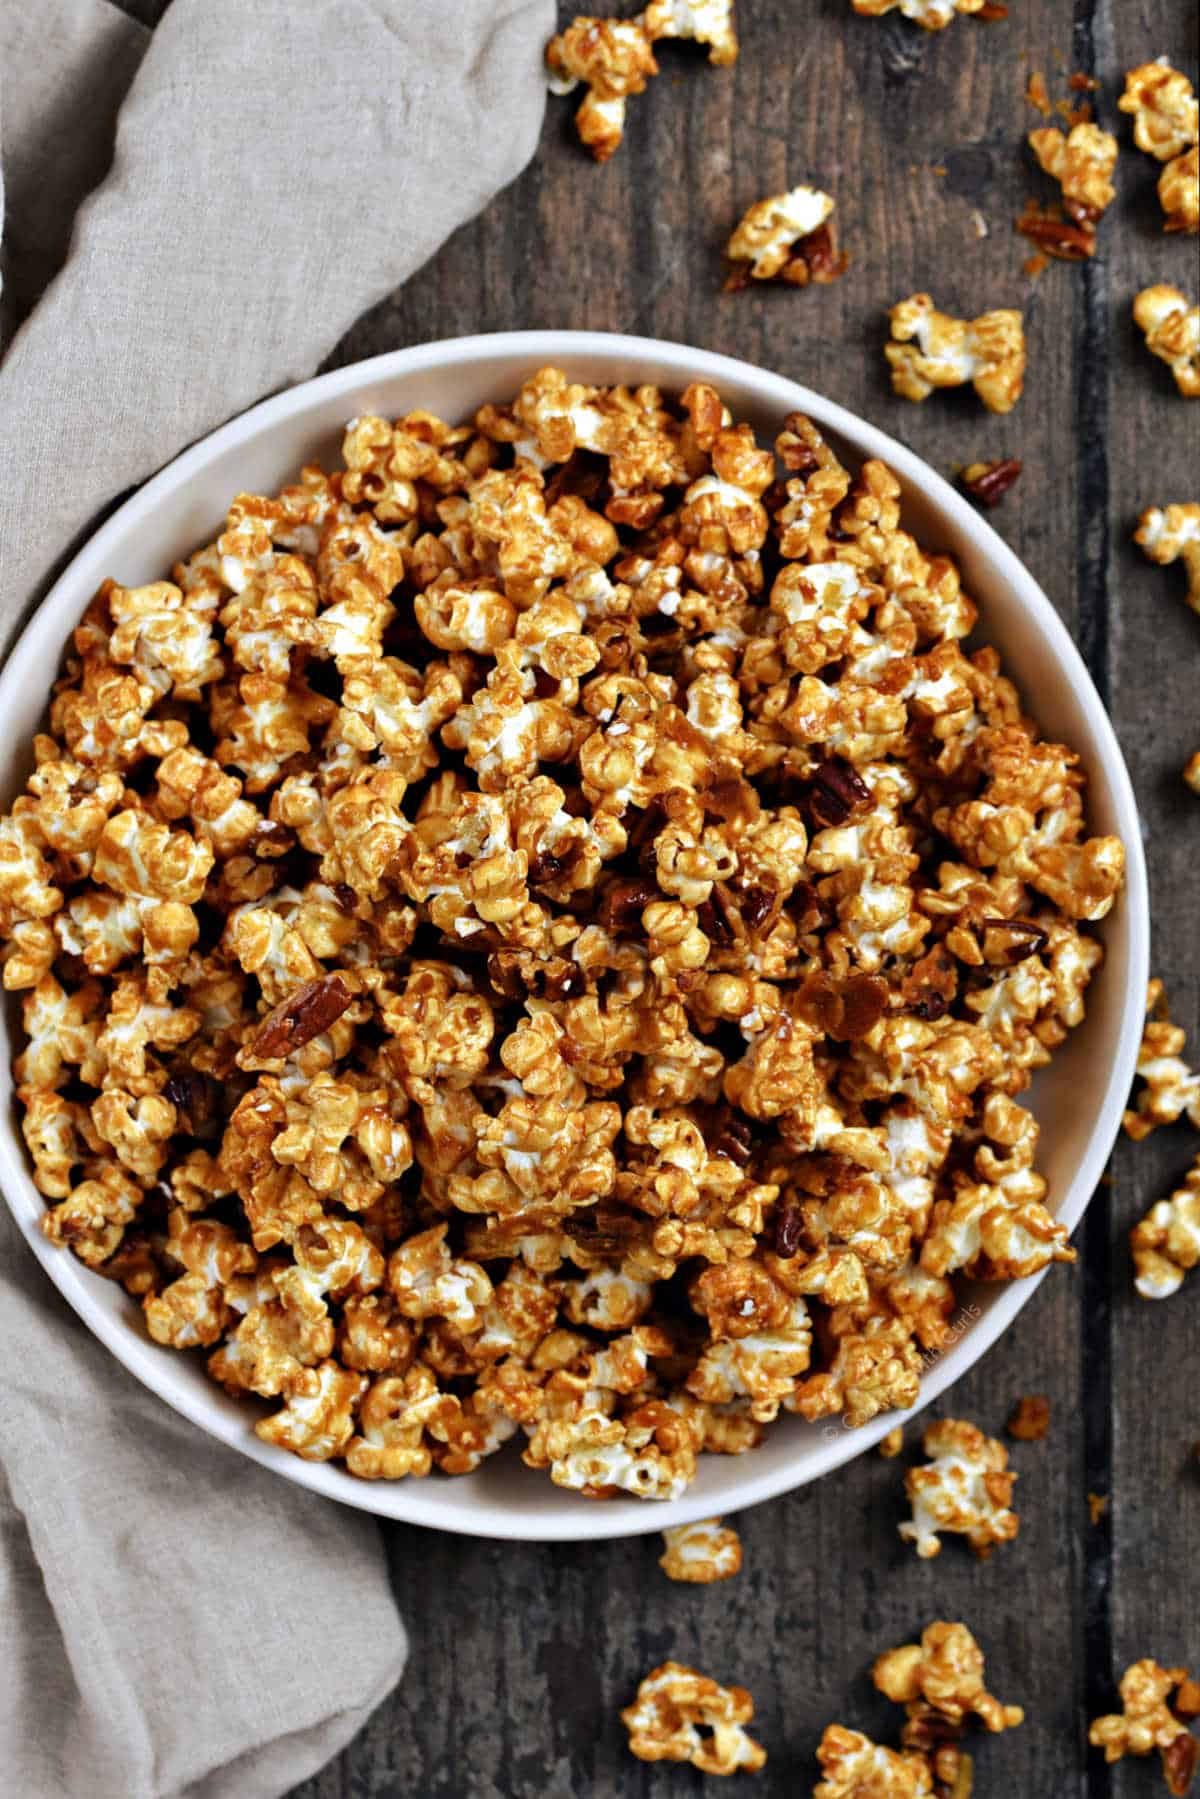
(816, 258)
(1055, 237)
(844, 1009)
(301, 1017)
(839, 792)
(1180, 1760)
(988, 482)
(623, 905)
(1034, 936)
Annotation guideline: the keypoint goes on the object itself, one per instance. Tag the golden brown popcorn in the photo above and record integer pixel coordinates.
(682, 1716)
(613, 58)
(787, 237)
(934, 15)
(1082, 163)
(93, 1216)
(1169, 533)
(891, 1444)
(1166, 1244)
(966, 1488)
(1179, 193)
(940, 1682)
(1172, 330)
(1170, 1090)
(702, 1552)
(1147, 1722)
(394, 1416)
(708, 22)
(1164, 107)
(1029, 1419)
(989, 352)
(854, 1767)
(316, 1424)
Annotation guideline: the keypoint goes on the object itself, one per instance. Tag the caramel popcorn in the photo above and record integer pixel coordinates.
(1165, 111)
(1179, 193)
(1082, 163)
(614, 58)
(966, 1488)
(788, 238)
(1147, 1722)
(538, 937)
(1172, 332)
(1170, 534)
(989, 352)
(1167, 1241)
(675, 1705)
(934, 15)
(1170, 1089)
(853, 1766)
(939, 1681)
(702, 1552)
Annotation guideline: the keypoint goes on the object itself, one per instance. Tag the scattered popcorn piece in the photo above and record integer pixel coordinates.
(1170, 1089)
(1166, 1244)
(940, 1682)
(1179, 193)
(1172, 331)
(682, 1716)
(1082, 163)
(891, 1444)
(856, 1768)
(966, 1488)
(1164, 107)
(702, 1552)
(1029, 1419)
(934, 15)
(1170, 533)
(614, 58)
(787, 237)
(708, 22)
(989, 352)
(1147, 1722)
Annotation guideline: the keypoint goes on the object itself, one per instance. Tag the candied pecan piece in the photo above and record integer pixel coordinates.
(1032, 938)
(788, 1224)
(1055, 236)
(988, 482)
(303, 1015)
(844, 1009)
(839, 792)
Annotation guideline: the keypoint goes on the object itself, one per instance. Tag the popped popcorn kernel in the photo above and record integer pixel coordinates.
(1171, 534)
(966, 1488)
(1179, 193)
(989, 352)
(934, 15)
(1165, 111)
(1172, 332)
(940, 1682)
(702, 1552)
(787, 237)
(1082, 162)
(1147, 1722)
(1169, 1089)
(852, 1766)
(1166, 1244)
(682, 1716)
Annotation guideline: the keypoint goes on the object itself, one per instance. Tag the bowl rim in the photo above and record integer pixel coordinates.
(418, 1502)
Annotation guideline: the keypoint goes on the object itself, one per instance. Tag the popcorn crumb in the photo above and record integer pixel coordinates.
(1029, 1419)
(1036, 93)
(682, 1716)
(1098, 1504)
(891, 1444)
(966, 1489)
(703, 1552)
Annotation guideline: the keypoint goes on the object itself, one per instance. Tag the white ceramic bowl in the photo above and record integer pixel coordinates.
(1078, 1099)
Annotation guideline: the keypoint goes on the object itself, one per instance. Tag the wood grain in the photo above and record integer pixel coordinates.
(522, 1656)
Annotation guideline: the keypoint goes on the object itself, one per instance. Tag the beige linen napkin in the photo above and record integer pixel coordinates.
(173, 1619)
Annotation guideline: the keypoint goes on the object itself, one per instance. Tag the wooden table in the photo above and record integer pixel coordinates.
(523, 1656)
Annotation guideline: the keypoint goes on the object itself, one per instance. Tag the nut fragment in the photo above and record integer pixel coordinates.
(988, 482)
(305, 1014)
(1029, 1419)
